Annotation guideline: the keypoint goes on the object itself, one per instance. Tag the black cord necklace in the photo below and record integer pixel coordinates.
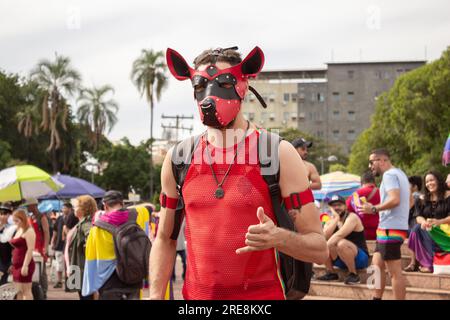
(220, 193)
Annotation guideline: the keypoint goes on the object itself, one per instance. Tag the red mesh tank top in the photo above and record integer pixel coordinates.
(215, 228)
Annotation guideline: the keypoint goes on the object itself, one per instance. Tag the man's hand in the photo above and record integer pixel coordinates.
(261, 236)
(366, 207)
(334, 214)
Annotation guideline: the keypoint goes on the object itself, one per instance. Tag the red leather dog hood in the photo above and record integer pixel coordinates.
(219, 92)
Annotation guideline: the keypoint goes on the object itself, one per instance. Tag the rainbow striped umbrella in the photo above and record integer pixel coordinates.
(337, 183)
(21, 182)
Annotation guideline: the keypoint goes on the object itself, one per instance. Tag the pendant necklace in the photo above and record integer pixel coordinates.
(220, 193)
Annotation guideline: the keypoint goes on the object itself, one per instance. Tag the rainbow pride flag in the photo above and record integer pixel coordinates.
(441, 235)
(446, 153)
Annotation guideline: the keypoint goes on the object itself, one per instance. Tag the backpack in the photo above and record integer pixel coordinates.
(296, 274)
(132, 248)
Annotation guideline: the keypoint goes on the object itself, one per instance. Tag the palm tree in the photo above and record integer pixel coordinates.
(59, 81)
(97, 112)
(148, 75)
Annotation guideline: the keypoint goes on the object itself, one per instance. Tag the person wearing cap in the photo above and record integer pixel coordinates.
(7, 230)
(100, 269)
(346, 242)
(302, 145)
(41, 227)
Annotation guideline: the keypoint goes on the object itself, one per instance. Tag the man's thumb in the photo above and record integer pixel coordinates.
(261, 215)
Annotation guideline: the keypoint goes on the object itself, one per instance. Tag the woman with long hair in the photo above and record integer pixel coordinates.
(23, 265)
(431, 212)
(84, 208)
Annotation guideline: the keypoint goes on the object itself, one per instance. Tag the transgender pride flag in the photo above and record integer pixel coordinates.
(446, 154)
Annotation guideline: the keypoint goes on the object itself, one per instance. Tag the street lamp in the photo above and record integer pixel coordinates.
(331, 158)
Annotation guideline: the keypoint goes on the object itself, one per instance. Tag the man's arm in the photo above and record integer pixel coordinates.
(331, 225)
(46, 229)
(308, 244)
(392, 201)
(348, 227)
(314, 177)
(163, 252)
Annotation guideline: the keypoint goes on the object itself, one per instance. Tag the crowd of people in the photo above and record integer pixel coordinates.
(243, 220)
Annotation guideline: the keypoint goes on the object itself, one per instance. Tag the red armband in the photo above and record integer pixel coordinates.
(299, 199)
(166, 202)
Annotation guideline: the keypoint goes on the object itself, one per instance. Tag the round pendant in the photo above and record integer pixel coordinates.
(219, 193)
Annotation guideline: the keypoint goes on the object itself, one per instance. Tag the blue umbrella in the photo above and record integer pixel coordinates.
(50, 205)
(74, 187)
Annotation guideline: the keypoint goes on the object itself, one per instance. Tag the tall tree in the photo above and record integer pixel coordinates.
(59, 81)
(411, 120)
(98, 111)
(148, 75)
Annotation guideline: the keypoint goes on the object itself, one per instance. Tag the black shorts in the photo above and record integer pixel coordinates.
(389, 251)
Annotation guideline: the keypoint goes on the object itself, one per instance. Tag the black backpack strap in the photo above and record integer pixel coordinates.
(181, 161)
(132, 215)
(268, 157)
(106, 226)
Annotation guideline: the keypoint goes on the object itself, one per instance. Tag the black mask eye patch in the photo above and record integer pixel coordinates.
(222, 87)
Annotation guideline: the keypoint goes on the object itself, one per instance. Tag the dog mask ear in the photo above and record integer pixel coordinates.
(253, 63)
(177, 65)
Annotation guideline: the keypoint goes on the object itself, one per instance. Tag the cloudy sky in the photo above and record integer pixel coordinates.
(104, 37)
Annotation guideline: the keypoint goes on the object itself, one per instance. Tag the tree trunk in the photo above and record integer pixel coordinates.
(54, 161)
(151, 146)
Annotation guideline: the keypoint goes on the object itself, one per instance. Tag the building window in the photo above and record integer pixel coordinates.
(251, 116)
(336, 114)
(302, 88)
(294, 97)
(350, 74)
(335, 134)
(378, 74)
(301, 96)
(286, 97)
(271, 97)
(286, 116)
(310, 116)
(272, 116)
(351, 115)
(386, 75)
(336, 96)
(320, 97)
(251, 97)
(350, 96)
(351, 135)
(294, 116)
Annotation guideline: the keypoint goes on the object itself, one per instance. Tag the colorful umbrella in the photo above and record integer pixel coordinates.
(20, 182)
(338, 182)
(446, 153)
(74, 187)
(50, 205)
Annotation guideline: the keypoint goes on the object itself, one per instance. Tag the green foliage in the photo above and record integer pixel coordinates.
(127, 166)
(411, 121)
(5, 155)
(337, 167)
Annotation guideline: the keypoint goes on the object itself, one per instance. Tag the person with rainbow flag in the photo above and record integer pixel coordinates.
(100, 268)
(431, 234)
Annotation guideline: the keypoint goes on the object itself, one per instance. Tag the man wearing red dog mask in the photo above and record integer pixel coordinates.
(219, 182)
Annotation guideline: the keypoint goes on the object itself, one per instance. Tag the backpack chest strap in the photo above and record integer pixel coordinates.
(298, 199)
